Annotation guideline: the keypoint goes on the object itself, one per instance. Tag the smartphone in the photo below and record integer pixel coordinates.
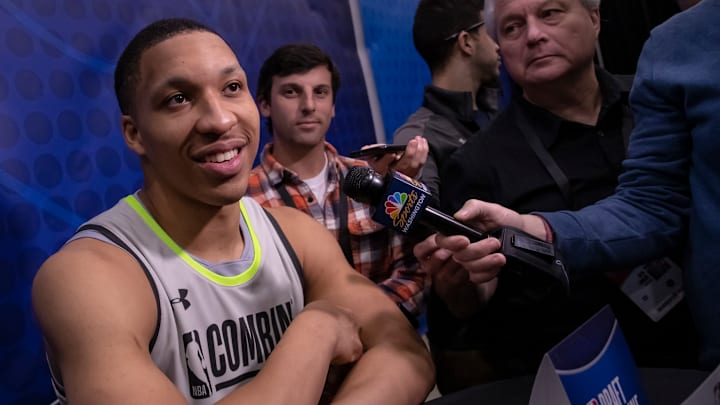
(377, 150)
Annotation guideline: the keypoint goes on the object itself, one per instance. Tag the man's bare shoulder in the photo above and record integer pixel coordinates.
(85, 259)
(85, 281)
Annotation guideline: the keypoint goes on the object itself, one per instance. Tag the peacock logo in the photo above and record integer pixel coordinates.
(394, 204)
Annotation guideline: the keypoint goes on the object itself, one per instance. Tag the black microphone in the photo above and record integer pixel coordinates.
(401, 203)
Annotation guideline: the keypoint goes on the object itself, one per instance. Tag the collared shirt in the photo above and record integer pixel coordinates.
(380, 254)
(447, 119)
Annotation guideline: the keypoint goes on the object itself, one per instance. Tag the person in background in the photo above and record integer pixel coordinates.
(667, 194)
(186, 292)
(462, 98)
(558, 145)
(296, 91)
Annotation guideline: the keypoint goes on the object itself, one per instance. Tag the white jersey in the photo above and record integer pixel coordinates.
(217, 324)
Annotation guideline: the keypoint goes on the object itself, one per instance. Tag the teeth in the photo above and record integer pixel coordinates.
(222, 156)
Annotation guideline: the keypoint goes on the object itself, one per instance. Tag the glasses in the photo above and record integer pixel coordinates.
(468, 29)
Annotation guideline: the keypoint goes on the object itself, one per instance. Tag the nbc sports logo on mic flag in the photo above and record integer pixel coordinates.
(394, 204)
(402, 204)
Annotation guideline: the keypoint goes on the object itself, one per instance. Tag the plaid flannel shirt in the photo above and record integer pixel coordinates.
(380, 254)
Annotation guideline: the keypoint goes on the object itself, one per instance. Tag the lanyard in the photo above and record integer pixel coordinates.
(343, 232)
(545, 158)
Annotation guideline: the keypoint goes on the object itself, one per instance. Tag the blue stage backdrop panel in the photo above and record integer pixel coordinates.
(62, 159)
(399, 71)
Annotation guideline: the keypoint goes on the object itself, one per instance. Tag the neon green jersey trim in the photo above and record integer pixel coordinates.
(229, 281)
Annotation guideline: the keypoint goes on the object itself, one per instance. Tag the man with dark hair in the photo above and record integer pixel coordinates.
(464, 65)
(296, 93)
(187, 292)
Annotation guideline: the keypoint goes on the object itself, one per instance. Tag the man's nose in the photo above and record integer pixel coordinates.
(215, 116)
(308, 102)
(535, 31)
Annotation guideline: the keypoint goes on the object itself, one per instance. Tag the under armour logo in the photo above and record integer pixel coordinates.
(181, 300)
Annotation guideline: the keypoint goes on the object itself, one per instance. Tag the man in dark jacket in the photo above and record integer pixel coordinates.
(451, 37)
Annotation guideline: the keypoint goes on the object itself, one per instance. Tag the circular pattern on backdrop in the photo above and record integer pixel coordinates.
(69, 125)
(19, 42)
(87, 203)
(74, 8)
(102, 10)
(82, 42)
(114, 193)
(4, 88)
(98, 122)
(23, 221)
(44, 8)
(9, 130)
(61, 84)
(38, 127)
(108, 47)
(49, 47)
(78, 166)
(28, 85)
(48, 170)
(17, 169)
(89, 83)
(108, 161)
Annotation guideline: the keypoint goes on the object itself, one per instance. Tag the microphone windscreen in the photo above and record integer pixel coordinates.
(364, 184)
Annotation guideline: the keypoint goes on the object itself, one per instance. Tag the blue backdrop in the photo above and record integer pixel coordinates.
(62, 159)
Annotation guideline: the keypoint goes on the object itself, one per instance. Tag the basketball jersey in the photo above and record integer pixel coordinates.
(214, 331)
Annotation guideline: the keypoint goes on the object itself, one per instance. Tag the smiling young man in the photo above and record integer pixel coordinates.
(296, 93)
(185, 292)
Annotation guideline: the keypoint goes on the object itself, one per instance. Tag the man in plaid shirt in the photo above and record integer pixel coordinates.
(296, 92)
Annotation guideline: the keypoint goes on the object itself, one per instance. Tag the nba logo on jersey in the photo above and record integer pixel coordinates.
(198, 377)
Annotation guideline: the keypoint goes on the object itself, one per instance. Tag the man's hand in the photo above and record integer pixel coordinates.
(409, 163)
(348, 346)
(463, 274)
(488, 216)
(412, 161)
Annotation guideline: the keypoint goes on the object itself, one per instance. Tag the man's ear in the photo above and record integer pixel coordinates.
(131, 134)
(264, 108)
(463, 42)
(595, 18)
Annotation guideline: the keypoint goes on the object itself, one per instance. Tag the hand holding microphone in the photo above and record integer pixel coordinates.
(401, 203)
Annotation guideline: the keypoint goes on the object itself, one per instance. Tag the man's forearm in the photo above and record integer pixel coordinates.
(387, 374)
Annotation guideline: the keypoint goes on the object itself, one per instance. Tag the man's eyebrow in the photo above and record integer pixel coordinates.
(232, 69)
(176, 81)
(292, 85)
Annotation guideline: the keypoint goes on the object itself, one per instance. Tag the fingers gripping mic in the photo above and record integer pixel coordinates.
(401, 203)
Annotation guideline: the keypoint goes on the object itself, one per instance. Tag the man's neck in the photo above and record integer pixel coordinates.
(576, 98)
(457, 77)
(307, 162)
(209, 232)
